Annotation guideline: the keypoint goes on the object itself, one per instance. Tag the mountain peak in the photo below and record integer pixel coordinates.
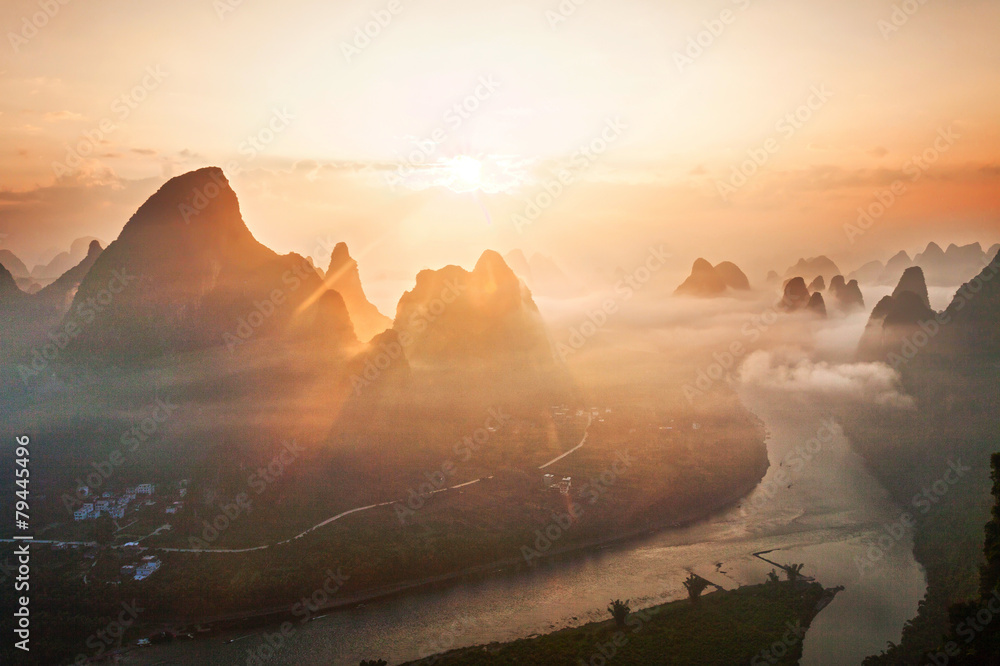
(701, 266)
(913, 281)
(933, 249)
(340, 256)
(8, 286)
(490, 260)
(812, 267)
(200, 198)
(484, 313)
(343, 277)
(816, 304)
(796, 295)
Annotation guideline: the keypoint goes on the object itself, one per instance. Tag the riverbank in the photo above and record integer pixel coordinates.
(754, 624)
(250, 620)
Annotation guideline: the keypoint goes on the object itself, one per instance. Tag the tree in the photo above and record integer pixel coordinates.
(695, 586)
(989, 575)
(772, 577)
(103, 529)
(619, 610)
(793, 571)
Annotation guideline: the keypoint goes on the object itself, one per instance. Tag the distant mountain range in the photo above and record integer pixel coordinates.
(842, 297)
(707, 281)
(24, 314)
(941, 268)
(903, 327)
(797, 298)
(185, 274)
(63, 261)
(13, 265)
(812, 268)
(454, 313)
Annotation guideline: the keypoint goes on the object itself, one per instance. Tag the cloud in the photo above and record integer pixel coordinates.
(791, 371)
(56, 116)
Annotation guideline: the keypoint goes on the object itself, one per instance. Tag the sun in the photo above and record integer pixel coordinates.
(464, 173)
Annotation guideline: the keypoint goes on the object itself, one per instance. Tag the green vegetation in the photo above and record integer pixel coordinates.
(652, 461)
(765, 623)
(910, 452)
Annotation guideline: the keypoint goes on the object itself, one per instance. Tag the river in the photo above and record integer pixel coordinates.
(828, 513)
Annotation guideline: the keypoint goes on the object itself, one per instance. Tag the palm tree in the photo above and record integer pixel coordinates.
(695, 586)
(794, 571)
(619, 610)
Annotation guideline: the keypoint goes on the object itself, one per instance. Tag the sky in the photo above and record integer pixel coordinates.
(745, 130)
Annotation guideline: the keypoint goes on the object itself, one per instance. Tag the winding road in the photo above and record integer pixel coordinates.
(583, 440)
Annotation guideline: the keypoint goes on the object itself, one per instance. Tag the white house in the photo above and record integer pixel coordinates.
(80, 514)
(146, 569)
(145, 488)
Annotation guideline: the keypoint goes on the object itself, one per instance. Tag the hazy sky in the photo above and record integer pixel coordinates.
(162, 88)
